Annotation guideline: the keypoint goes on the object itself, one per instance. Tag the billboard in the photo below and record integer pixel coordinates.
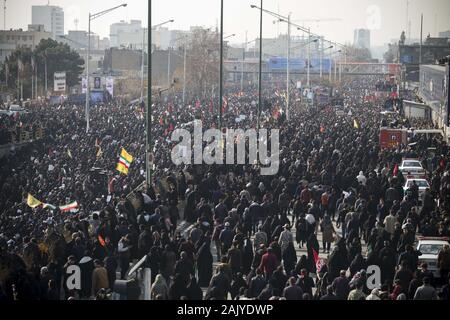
(297, 64)
(97, 83)
(83, 84)
(110, 85)
(59, 81)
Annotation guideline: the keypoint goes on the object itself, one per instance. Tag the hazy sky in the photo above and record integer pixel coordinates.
(385, 18)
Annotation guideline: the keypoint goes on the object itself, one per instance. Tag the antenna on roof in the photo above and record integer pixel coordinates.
(76, 23)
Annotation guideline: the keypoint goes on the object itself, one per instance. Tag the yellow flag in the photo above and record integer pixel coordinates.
(355, 124)
(33, 202)
(124, 161)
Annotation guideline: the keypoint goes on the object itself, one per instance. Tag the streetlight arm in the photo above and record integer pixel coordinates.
(99, 14)
(162, 23)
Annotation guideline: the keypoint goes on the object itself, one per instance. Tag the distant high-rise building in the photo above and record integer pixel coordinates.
(126, 34)
(362, 39)
(51, 17)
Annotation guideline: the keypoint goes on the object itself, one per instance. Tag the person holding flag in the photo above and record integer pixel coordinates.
(125, 161)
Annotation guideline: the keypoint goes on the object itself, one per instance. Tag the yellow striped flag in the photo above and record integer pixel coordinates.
(124, 161)
(33, 202)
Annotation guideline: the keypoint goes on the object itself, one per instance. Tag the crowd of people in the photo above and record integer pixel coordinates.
(223, 231)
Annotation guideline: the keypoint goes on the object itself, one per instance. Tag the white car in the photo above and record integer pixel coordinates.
(421, 183)
(412, 168)
(430, 247)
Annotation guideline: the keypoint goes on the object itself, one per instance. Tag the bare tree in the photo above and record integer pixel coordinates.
(203, 60)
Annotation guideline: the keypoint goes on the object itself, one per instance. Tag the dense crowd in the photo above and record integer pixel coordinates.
(334, 185)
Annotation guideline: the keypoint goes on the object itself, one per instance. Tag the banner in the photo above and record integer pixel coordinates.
(110, 85)
(83, 84)
(59, 81)
(97, 83)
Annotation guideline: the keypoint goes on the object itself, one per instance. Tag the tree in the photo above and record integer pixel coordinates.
(203, 54)
(60, 57)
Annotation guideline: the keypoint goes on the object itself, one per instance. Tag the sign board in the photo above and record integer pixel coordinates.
(83, 84)
(110, 85)
(299, 84)
(97, 83)
(59, 81)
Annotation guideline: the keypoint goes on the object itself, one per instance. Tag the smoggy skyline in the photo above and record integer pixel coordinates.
(385, 18)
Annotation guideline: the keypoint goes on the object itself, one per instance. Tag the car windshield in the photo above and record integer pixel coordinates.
(415, 164)
(420, 183)
(430, 248)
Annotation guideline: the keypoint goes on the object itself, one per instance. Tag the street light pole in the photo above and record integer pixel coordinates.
(142, 65)
(221, 67)
(260, 65)
(309, 58)
(288, 58)
(184, 71)
(148, 113)
(321, 57)
(88, 55)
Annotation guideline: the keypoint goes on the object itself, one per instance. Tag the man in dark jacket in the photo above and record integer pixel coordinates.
(341, 286)
(257, 284)
(221, 283)
(293, 291)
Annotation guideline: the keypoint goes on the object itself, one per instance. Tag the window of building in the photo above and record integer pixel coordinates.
(24, 38)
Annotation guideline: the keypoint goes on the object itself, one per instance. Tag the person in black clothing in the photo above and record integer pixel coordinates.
(330, 295)
(193, 290)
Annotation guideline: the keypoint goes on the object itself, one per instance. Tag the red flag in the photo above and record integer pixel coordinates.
(161, 121)
(317, 260)
(211, 106)
(101, 240)
(225, 104)
(442, 163)
(322, 129)
(395, 172)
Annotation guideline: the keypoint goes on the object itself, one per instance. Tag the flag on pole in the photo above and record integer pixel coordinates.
(101, 241)
(68, 207)
(48, 205)
(395, 171)
(124, 161)
(317, 261)
(32, 201)
(33, 64)
(99, 150)
(355, 124)
(20, 65)
(224, 105)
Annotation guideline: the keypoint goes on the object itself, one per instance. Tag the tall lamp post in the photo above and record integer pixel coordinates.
(88, 93)
(143, 54)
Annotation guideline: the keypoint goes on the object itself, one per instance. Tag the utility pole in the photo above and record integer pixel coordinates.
(321, 57)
